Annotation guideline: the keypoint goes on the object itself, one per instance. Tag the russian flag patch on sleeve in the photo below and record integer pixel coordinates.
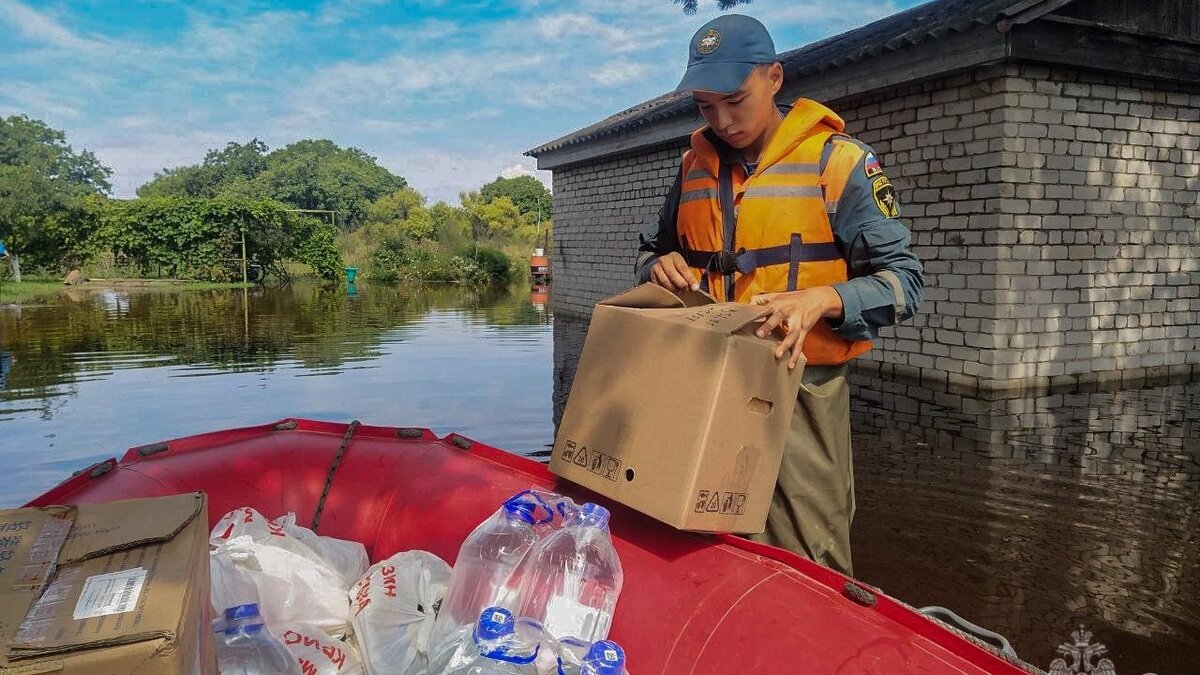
(871, 165)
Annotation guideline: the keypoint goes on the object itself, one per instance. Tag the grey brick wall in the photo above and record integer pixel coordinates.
(598, 210)
(1056, 213)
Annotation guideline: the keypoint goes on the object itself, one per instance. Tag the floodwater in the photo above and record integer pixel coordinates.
(91, 375)
(1032, 516)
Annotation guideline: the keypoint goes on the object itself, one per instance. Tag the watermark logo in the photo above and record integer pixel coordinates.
(1084, 657)
(1081, 656)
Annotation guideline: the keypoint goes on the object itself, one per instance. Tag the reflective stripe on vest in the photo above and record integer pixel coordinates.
(782, 237)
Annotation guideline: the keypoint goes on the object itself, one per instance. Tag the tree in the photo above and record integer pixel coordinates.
(531, 197)
(451, 225)
(308, 174)
(318, 174)
(689, 6)
(395, 206)
(498, 218)
(403, 214)
(40, 177)
(201, 238)
(222, 172)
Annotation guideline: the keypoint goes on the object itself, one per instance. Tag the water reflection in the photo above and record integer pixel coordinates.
(95, 373)
(1028, 515)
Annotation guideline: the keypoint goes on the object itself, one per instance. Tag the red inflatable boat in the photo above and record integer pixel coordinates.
(691, 603)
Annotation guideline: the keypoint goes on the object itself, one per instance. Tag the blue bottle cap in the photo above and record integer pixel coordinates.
(521, 510)
(606, 658)
(494, 623)
(252, 629)
(249, 611)
(593, 515)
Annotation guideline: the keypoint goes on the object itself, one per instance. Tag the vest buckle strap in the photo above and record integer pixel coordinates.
(746, 261)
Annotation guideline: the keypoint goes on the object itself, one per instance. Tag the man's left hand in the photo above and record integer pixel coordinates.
(797, 312)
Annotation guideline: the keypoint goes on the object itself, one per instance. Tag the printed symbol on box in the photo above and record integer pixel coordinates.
(568, 451)
(598, 463)
(734, 503)
(725, 503)
(610, 471)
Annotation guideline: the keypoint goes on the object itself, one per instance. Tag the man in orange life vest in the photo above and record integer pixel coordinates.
(775, 206)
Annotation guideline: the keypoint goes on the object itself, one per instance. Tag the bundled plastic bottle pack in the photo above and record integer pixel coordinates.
(539, 579)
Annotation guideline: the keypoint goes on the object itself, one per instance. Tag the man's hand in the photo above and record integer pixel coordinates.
(672, 272)
(797, 312)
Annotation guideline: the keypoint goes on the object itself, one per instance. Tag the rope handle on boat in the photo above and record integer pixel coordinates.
(992, 639)
(337, 461)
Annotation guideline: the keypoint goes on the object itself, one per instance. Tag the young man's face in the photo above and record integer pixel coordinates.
(743, 117)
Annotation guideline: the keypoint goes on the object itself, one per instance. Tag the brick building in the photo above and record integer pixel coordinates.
(1047, 158)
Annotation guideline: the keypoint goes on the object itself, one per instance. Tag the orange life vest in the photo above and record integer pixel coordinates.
(771, 231)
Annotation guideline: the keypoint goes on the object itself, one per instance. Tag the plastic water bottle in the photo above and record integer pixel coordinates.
(571, 580)
(600, 658)
(486, 562)
(245, 647)
(498, 644)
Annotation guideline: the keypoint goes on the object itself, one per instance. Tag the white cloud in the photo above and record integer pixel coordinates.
(426, 30)
(36, 100)
(622, 71)
(334, 12)
(399, 79)
(842, 15)
(239, 39)
(490, 112)
(137, 152)
(441, 176)
(41, 27)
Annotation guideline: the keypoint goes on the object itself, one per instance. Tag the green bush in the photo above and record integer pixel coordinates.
(385, 263)
(495, 263)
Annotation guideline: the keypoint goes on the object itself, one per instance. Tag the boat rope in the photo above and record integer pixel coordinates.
(337, 461)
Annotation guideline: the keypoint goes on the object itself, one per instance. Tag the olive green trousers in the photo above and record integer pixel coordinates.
(813, 504)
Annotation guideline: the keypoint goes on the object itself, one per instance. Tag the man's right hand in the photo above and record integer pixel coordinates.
(672, 272)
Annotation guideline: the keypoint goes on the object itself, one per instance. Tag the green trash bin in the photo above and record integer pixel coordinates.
(351, 274)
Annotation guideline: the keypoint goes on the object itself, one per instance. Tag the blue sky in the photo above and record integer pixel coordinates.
(447, 94)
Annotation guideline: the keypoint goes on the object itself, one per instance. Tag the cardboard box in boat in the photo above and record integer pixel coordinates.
(119, 587)
(678, 410)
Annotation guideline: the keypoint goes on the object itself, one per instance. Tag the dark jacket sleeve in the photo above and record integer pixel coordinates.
(659, 237)
(886, 282)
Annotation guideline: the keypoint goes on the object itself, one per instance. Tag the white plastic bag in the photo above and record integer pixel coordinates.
(290, 587)
(393, 610)
(347, 558)
(231, 586)
(316, 652)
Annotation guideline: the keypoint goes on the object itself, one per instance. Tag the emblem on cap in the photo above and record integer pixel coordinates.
(709, 42)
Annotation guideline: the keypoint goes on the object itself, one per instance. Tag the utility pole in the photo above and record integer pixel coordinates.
(244, 278)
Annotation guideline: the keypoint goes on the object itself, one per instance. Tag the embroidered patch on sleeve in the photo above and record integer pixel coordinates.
(871, 165)
(885, 197)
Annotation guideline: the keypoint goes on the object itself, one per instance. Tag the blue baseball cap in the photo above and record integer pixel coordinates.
(724, 51)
